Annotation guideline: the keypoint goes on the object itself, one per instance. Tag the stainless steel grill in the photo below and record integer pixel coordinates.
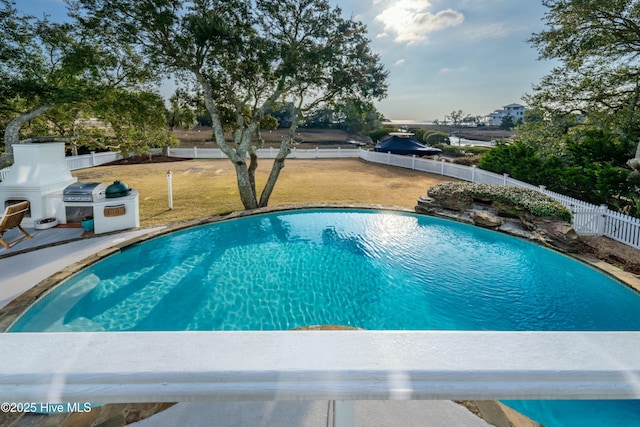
(83, 192)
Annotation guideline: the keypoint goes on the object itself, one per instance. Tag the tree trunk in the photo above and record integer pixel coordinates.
(12, 132)
(172, 125)
(278, 164)
(245, 175)
(237, 156)
(634, 164)
(247, 195)
(253, 165)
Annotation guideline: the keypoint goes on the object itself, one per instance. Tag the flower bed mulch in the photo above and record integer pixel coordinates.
(137, 160)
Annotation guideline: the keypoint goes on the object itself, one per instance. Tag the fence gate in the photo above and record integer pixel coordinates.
(589, 221)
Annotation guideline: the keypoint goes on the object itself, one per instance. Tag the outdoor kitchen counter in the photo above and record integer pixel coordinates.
(118, 213)
(113, 214)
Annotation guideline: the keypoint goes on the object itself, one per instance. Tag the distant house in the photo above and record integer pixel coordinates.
(515, 111)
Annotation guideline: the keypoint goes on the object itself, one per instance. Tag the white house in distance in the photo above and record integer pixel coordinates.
(516, 111)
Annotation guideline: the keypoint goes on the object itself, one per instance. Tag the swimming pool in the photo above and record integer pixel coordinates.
(367, 269)
(361, 268)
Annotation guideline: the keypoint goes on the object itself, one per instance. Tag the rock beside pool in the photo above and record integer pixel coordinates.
(463, 203)
(486, 219)
(560, 235)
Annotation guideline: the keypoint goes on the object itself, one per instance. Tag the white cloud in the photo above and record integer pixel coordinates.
(410, 21)
(399, 62)
(447, 70)
(490, 31)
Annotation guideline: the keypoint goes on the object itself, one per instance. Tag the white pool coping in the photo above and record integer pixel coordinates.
(322, 365)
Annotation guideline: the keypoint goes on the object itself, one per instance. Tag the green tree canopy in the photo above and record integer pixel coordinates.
(598, 45)
(137, 121)
(351, 115)
(57, 69)
(248, 56)
(586, 163)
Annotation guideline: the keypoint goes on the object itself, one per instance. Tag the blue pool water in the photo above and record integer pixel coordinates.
(373, 270)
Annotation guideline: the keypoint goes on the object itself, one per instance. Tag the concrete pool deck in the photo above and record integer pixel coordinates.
(28, 267)
(389, 413)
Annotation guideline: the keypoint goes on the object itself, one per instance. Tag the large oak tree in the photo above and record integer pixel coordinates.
(598, 45)
(248, 57)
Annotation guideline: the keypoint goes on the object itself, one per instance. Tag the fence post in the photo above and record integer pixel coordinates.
(170, 189)
(3, 173)
(473, 173)
(93, 158)
(388, 158)
(504, 181)
(195, 152)
(442, 167)
(413, 162)
(602, 217)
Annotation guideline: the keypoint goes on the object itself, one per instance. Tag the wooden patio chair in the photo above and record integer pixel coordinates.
(12, 218)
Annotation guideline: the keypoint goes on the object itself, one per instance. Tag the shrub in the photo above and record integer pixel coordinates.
(450, 150)
(437, 138)
(467, 160)
(478, 150)
(580, 170)
(532, 201)
(456, 151)
(418, 134)
(378, 134)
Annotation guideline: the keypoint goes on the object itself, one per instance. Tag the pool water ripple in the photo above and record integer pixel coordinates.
(368, 269)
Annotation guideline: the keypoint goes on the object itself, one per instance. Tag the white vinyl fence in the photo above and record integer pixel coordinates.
(91, 160)
(588, 219)
(268, 153)
(80, 162)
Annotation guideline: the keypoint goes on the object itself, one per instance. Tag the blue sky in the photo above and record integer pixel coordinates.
(442, 55)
